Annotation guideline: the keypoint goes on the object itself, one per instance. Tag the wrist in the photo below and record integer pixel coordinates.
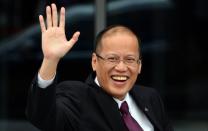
(48, 69)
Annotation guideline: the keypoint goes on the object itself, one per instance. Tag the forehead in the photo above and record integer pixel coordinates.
(118, 33)
(120, 42)
(120, 37)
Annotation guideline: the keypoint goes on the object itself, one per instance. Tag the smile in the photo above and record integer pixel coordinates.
(120, 78)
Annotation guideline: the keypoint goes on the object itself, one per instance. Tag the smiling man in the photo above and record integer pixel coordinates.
(108, 100)
(116, 60)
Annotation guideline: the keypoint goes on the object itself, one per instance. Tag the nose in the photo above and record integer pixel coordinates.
(121, 66)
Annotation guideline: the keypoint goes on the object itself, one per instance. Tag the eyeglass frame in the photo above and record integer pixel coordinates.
(117, 61)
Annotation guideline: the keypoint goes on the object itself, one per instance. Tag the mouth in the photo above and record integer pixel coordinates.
(119, 78)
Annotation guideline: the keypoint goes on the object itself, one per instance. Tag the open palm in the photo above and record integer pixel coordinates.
(54, 42)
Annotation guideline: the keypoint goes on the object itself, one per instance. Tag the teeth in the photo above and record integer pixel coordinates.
(120, 78)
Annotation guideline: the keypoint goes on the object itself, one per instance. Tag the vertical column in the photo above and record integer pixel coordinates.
(3, 92)
(100, 15)
(159, 68)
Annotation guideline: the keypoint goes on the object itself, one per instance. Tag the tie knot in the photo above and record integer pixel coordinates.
(124, 109)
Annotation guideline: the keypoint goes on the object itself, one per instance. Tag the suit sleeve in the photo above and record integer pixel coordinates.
(57, 107)
(41, 106)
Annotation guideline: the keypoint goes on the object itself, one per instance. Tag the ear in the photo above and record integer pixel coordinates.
(94, 61)
(140, 67)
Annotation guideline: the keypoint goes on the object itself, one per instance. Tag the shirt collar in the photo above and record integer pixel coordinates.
(119, 102)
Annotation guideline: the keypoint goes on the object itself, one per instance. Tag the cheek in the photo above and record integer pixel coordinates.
(104, 75)
(101, 72)
(134, 75)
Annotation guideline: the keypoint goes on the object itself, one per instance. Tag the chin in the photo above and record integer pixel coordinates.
(119, 94)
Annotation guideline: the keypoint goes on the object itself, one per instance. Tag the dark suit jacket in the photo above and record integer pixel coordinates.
(78, 106)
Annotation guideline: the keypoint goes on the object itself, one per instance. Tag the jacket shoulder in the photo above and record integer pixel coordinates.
(70, 86)
(145, 91)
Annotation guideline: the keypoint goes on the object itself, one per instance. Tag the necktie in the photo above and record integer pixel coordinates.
(129, 121)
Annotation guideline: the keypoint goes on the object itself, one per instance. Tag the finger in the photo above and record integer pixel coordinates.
(62, 17)
(54, 15)
(48, 15)
(42, 23)
(74, 38)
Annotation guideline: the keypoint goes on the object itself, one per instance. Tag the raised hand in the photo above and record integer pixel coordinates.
(54, 42)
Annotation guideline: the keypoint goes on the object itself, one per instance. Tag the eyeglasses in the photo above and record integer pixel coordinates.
(114, 60)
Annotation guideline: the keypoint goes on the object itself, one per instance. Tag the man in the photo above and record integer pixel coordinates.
(109, 100)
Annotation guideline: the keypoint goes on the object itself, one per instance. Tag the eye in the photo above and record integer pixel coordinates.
(130, 60)
(112, 59)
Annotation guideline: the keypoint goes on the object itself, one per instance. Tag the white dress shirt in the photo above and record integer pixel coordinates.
(44, 83)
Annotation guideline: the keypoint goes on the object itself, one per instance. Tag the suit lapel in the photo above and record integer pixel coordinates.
(106, 104)
(110, 109)
(145, 107)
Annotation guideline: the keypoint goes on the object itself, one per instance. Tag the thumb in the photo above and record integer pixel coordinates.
(74, 39)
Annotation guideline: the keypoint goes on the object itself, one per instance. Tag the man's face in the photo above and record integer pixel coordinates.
(117, 79)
